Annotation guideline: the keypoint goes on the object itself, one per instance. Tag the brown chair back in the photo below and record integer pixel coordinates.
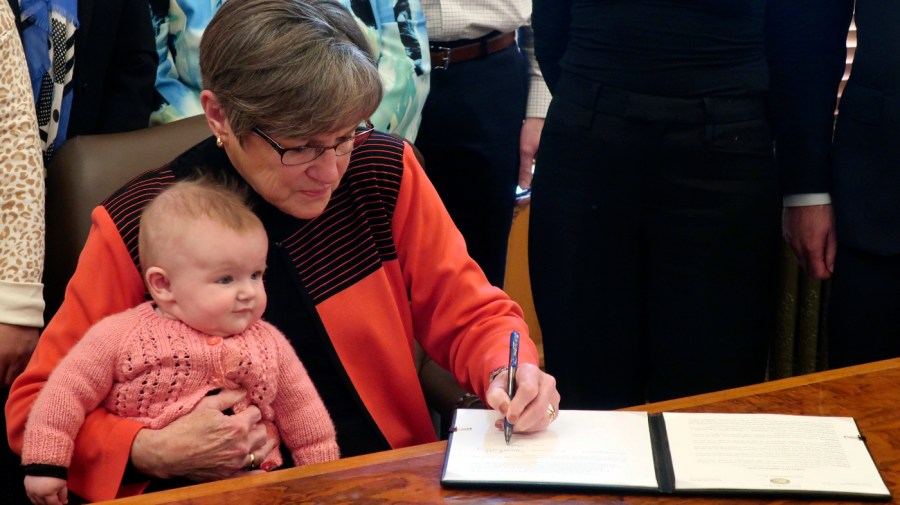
(88, 169)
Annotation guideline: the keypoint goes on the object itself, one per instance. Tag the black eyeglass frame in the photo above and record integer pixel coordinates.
(360, 135)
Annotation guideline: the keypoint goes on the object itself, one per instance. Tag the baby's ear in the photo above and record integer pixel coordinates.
(158, 284)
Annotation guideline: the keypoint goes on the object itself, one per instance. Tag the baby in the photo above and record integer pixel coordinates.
(203, 255)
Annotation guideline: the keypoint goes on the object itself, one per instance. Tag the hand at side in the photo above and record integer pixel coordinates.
(810, 233)
(16, 345)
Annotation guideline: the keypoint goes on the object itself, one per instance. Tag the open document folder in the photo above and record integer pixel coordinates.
(668, 453)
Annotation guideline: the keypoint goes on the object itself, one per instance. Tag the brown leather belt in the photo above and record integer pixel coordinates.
(442, 57)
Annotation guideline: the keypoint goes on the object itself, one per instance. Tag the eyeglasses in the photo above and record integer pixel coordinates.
(304, 154)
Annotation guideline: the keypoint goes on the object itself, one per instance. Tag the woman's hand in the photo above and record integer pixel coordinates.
(535, 403)
(205, 444)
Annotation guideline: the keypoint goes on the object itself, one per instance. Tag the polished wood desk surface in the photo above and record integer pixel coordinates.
(870, 393)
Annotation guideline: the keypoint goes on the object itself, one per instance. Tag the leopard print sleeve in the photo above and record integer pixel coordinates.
(21, 186)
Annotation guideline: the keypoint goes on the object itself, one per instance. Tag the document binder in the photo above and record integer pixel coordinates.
(668, 453)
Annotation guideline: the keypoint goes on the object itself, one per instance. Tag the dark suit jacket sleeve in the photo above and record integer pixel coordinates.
(115, 67)
(132, 86)
(550, 22)
(806, 43)
(130, 80)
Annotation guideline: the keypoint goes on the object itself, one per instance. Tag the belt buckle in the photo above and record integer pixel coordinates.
(445, 59)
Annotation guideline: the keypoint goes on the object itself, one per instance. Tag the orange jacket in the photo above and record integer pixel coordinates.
(432, 291)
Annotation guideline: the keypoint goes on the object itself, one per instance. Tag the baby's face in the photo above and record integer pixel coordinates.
(216, 277)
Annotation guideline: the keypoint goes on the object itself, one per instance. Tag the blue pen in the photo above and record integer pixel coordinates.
(511, 384)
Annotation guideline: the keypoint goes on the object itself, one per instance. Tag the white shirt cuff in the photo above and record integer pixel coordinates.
(22, 303)
(806, 199)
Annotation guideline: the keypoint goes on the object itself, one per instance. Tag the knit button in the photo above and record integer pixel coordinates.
(213, 340)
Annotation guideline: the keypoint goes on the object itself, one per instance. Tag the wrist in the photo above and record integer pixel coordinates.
(146, 456)
(496, 372)
(42, 470)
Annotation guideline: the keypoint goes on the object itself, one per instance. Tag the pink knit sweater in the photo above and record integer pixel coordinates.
(144, 367)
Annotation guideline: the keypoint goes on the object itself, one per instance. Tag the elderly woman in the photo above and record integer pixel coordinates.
(363, 259)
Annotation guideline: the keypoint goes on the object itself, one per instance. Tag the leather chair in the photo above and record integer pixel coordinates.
(89, 168)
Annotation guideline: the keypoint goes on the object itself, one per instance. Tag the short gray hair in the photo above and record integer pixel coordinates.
(294, 68)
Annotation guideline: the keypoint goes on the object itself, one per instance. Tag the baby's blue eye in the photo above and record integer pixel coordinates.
(256, 275)
(225, 280)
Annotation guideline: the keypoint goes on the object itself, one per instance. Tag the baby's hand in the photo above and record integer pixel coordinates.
(46, 490)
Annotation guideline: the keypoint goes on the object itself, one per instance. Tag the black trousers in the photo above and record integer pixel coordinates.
(469, 137)
(653, 244)
(862, 310)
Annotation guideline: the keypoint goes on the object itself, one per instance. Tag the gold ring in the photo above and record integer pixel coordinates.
(552, 411)
(252, 464)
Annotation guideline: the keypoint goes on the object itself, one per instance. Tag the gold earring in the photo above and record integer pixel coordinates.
(219, 142)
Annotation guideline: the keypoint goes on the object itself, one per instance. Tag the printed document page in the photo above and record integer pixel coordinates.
(591, 448)
(770, 452)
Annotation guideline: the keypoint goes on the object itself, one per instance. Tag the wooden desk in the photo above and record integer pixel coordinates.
(870, 393)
